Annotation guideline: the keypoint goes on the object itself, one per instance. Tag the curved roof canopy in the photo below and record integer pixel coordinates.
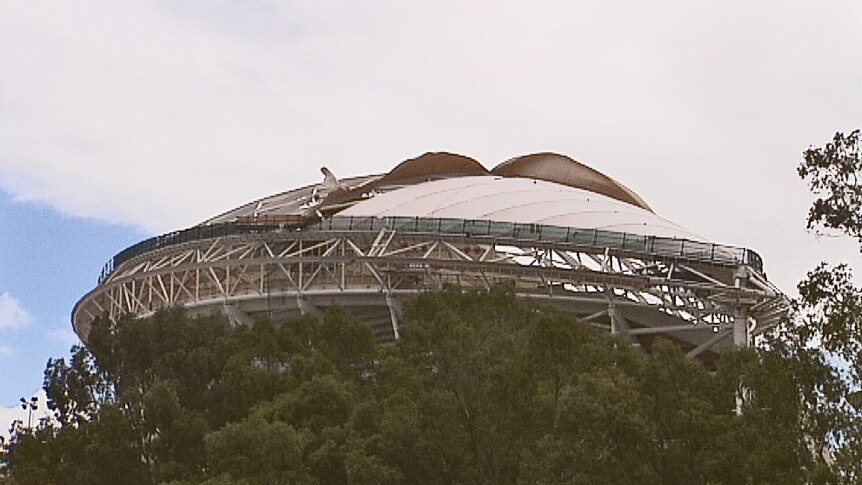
(430, 165)
(518, 200)
(545, 188)
(561, 169)
(433, 165)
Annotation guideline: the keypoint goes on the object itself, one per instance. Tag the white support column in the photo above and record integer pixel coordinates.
(236, 316)
(307, 308)
(594, 316)
(618, 321)
(741, 336)
(721, 334)
(396, 314)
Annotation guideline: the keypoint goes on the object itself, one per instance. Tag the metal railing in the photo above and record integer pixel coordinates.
(195, 233)
(653, 245)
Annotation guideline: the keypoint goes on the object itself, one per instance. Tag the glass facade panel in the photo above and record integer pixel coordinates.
(452, 226)
(609, 239)
(403, 223)
(754, 260)
(697, 250)
(727, 255)
(667, 247)
(340, 224)
(362, 224)
(634, 242)
(527, 231)
(554, 233)
(477, 228)
(427, 225)
(502, 229)
(583, 237)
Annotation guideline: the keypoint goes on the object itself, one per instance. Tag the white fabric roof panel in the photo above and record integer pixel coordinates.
(519, 200)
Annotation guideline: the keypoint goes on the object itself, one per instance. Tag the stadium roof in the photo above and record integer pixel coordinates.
(543, 188)
(517, 200)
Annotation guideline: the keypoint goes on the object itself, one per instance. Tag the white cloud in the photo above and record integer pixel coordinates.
(12, 313)
(7, 416)
(161, 114)
(13, 413)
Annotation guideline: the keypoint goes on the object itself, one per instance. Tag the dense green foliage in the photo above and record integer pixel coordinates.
(482, 388)
(833, 174)
(829, 308)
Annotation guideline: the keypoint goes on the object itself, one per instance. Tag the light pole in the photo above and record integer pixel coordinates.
(30, 406)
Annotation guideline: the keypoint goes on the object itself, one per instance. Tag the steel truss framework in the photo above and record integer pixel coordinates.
(284, 273)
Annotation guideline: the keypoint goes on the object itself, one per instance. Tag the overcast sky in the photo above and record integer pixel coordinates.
(122, 119)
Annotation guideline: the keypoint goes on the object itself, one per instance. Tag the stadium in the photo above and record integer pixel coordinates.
(550, 227)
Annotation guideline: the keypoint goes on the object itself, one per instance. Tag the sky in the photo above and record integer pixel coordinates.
(124, 119)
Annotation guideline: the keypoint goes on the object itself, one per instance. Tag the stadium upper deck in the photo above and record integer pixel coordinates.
(553, 228)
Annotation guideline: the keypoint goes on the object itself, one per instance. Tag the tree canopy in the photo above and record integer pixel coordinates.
(482, 388)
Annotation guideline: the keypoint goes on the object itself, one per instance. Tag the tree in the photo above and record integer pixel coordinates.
(829, 308)
(833, 175)
(482, 388)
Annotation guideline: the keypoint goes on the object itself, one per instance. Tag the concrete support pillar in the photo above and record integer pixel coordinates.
(618, 321)
(307, 308)
(236, 316)
(741, 337)
(396, 314)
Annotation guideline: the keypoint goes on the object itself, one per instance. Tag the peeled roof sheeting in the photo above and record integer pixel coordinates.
(433, 164)
(553, 167)
(518, 200)
(284, 203)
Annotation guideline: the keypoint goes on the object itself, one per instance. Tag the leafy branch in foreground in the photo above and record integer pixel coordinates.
(833, 175)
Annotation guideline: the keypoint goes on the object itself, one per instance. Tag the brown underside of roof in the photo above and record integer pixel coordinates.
(433, 164)
(414, 170)
(553, 167)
